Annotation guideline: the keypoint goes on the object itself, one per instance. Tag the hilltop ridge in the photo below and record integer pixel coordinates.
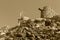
(47, 27)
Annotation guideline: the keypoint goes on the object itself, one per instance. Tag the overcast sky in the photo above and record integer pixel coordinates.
(10, 9)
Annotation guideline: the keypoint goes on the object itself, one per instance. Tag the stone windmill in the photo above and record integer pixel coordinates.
(47, 12)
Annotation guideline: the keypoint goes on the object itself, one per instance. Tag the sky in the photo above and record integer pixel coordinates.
(10, 9)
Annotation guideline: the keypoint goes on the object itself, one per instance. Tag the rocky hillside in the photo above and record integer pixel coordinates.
(38, 29)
